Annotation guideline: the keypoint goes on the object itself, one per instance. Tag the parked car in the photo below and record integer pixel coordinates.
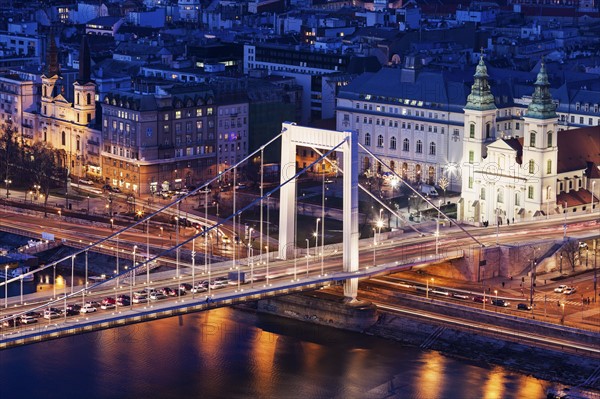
(140, 299)
(156, 296)
(500, 302)
(569, 290)
(523, 306)
(560, 288)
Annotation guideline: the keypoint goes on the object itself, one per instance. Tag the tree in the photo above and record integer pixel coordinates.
(41, 161)
(570, 252)
(10, 147)
(443, 183)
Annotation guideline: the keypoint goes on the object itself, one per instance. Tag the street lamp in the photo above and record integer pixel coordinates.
(317, 237)
(8, 182)
(88, 198)
(496, 292)
(307, 255)
(267, 253)
(562, 319)
(112, 223)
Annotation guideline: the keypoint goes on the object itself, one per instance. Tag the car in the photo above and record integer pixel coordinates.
(28, 319)
(561, 288)
(93, 304)
(107, 306)
(523, 306)
(167, 291)
(14, 322)
(87, 308)
(569, 290)
(460, 295)
(50, 314)
(140, 299)
(86, 182)
(157, 296)
(123, 300)
(440, 292)
(108, 301)
(479, 299)
(200, 287)
(37, 315)
(73, 307)
(185, 287)
(500, 302)
(216, 284)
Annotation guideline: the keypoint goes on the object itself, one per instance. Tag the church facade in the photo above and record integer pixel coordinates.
(511, 179)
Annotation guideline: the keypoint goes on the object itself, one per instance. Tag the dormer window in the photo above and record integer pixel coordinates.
(577, 106)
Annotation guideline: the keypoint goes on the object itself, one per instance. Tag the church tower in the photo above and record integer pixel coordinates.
(540, 150)
(84, 89)
(50, 79)
(480, 122)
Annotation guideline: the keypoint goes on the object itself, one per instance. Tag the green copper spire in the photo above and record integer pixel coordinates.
(481, 98)
(542, 106)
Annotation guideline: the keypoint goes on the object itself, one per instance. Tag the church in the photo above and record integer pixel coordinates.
(512, 179)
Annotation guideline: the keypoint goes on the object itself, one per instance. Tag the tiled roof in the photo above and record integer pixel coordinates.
(575, 198)
(579, 149)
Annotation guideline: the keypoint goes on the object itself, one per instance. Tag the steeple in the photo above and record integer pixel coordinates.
(52, 67)
(481, 97)
(541, 106)
(84, 61)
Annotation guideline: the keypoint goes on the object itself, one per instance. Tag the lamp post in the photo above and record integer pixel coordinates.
(592, 200)
(53, 281)
(374, 244)
(496, 292)
(562, 319)
(307, 255)
(8, 182)
(133, 267)
(193, 264)
(267, 253)
(317, 237)
(21, 278)
(437, 230)
(88, 198)
(6, 287)
(112, 223)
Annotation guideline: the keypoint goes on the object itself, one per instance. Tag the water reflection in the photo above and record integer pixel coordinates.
(227, 353)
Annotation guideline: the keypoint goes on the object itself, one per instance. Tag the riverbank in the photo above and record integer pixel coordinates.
(464, 343)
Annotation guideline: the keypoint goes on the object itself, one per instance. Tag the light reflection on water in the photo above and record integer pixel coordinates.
(227, 353)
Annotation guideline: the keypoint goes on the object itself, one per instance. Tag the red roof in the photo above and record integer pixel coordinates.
(579, 149)
(576, 198)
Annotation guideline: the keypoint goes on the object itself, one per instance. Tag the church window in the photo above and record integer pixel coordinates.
(77, 98)
(367, 139)
(488, 130)
(472, 131)
(549, 167)
(531, 166)
(471, 156)
(482, 193)
(530, 192)
(549, 139)
(532, 139)
(64, 138)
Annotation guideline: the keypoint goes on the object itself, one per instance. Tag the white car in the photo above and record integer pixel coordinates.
(140, 299)
(87, 308)
(569, 290)
(107, 306)
(49, 314)
(560, 289)
(28, 319)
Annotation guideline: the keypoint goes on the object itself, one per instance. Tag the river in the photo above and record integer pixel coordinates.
(228, 353)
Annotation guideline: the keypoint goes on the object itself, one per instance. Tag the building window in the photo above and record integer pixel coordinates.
(532, 139)
(517, 199)
(432, 148)
(530, 192)
(89, 99)
(64, 138)
(549, 139)
(393, 143)
(472, 131)
(367, 139)
(482, 193)
(531, 166)
(549, 167)
(470, 182)
(405, 145)
(471, 157)
(380, 141)
(488, 130)
(500, 196)
(419, 148)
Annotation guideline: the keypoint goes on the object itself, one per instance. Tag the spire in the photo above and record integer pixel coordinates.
(481, 97)
(541, 106)
(84, 61)
(52, 67)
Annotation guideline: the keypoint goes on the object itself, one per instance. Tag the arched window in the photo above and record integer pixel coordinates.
(549, 167)
(500, 196)
(482, 193)
(531, 166)
(368, 139)
(419, 148)
(517, 199)
(64, 138)
(530, 192)
(532, 139)
(548, 192)
(432, 148)
(45, 91)
(89, 99)
(405, 145)
(78, 143)
(488, 130)
(77, 99)
(393, 143)
(472, 131)
(380, 141)
(549, 139)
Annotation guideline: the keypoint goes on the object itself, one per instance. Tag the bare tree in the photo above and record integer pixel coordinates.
(443, 183)
(41, 161)
(570, 252)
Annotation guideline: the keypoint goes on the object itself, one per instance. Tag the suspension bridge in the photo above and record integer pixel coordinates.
(261, 273)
